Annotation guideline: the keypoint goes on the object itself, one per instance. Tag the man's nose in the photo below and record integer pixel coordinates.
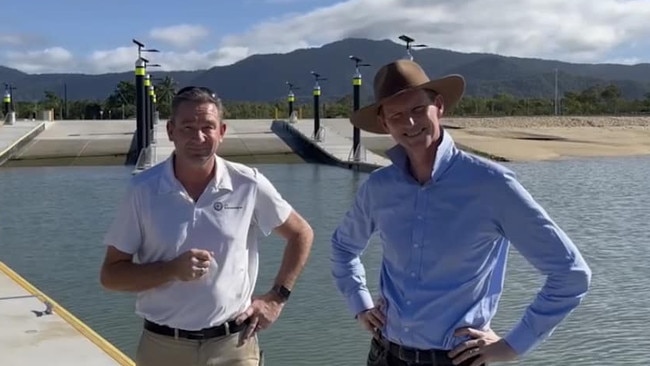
(198, 135)
(409, 122)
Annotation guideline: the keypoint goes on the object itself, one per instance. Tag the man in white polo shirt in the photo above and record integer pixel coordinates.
(184, 239)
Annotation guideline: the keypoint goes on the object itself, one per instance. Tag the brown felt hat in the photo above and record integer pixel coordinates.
(398, 77)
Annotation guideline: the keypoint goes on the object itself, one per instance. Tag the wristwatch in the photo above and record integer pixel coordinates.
(282, 292)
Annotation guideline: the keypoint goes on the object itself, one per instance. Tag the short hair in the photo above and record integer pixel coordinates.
(197, 94)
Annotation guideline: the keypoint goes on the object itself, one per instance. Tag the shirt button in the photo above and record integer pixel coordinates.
(406, 329)
(408, 302)
(412, 274)
(415, 245)
(419, 217)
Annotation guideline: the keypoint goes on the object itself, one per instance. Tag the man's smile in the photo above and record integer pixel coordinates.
(415, 133)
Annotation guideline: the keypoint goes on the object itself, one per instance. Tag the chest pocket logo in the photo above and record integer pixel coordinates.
(218, 206)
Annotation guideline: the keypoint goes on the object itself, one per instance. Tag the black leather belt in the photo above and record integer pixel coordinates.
(417, 356)
(207, 333)
(414, 356)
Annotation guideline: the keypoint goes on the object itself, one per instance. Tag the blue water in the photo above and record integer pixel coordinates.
(52, 221)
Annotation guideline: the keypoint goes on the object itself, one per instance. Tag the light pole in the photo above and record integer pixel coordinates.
(356, 90)
(317, 92)
(141, 98)
(410, 46)
(557, 106)
(291, 98)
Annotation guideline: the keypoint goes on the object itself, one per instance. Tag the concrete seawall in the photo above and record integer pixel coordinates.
(15, 137)
(109, 142)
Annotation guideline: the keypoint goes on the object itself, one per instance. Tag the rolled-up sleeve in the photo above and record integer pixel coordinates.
(544, 245)
(125, 231)
(349, 240)
(271, 209)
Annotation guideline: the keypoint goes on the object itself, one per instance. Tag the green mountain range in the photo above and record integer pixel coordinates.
(262, 78)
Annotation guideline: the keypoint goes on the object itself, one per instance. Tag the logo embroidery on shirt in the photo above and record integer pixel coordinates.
(221, 206)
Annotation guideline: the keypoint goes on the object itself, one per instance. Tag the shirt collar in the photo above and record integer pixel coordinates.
(169, 183)
(444, 155)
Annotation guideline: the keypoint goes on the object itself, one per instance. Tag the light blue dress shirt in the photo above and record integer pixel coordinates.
(445, 247)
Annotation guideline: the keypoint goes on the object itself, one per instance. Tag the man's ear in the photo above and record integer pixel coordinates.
(382, 121)
(439, 102)
(222, 128)
(170, 130)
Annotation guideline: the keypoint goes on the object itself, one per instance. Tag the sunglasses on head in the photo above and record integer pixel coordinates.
(202, 88)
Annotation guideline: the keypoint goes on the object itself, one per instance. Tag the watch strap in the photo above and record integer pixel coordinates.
(282, 291)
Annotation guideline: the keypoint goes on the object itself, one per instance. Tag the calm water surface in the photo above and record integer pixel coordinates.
(52, 220)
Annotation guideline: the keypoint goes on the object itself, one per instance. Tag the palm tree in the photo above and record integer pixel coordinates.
(165, 90)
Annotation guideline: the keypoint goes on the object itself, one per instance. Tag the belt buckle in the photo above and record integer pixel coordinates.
(402, 354)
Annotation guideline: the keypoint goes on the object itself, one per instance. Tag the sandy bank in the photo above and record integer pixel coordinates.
(549, 121)
(534, 138)
(544, 138)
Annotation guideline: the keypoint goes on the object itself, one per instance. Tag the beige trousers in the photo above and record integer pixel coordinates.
(159, 350)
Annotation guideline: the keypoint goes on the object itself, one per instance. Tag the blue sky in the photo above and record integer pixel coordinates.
(95, 36)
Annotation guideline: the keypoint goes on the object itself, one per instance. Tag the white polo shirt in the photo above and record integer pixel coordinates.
(157, 221)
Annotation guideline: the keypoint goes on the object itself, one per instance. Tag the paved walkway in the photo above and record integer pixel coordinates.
(35, 330)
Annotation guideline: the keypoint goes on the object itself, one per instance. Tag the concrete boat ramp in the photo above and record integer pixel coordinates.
(334, 144)
(37, 331)
(13, 138)
(260, 138)
(111, 142)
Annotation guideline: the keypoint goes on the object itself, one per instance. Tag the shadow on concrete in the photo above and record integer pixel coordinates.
(133, 154)
(307, 151)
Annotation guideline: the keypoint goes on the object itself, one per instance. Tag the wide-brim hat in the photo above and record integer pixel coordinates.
(398, 77)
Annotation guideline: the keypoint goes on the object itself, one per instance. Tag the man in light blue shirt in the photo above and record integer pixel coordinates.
(446, 219)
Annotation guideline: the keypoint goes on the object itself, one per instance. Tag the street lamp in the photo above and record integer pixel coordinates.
(317, 130)
(356, 90)
(291, 98)
(142, 49)
(409, 46)
(142, 121)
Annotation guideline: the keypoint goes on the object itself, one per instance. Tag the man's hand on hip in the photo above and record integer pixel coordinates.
(373, 319)
(486, 346)
(263, 311)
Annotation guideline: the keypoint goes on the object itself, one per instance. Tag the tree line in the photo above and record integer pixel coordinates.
(595, 100)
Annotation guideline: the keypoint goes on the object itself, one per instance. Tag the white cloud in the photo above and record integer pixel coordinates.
(55, 59)
(576, 30)
(624, 61)
(12, 39)
(21, 39)
(181, 36)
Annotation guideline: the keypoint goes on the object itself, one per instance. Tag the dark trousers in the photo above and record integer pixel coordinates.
(382, 354)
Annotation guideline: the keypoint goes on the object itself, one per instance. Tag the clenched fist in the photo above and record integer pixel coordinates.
(192, 264)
